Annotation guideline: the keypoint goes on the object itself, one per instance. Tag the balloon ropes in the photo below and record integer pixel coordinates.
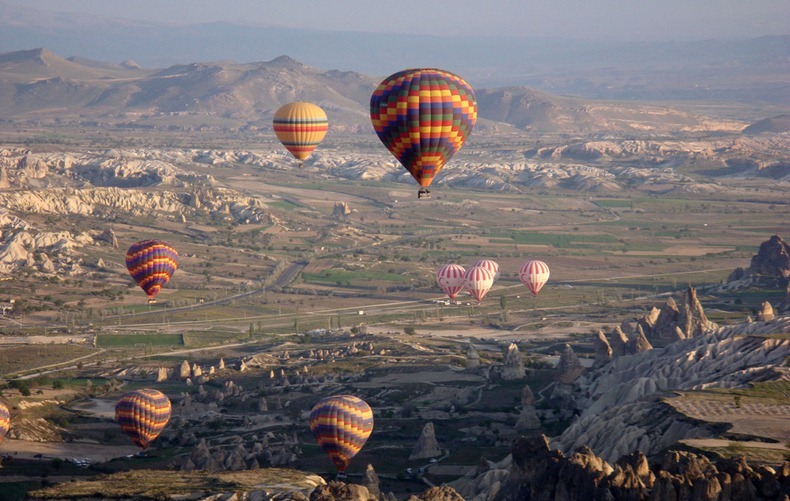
(341, 425)
(143, 415)
(423, 116)
(151, 263)
(300, 127)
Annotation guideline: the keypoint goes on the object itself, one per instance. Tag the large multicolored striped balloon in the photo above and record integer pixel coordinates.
(5, 421)
(534, 274)
(341, 425)
(143, 415)
(491, 266)
(423, 116)
(300, 127)
(151, 263)
(450, 278)
(478, 281)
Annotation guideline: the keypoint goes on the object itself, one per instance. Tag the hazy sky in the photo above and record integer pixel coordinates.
(588, 19)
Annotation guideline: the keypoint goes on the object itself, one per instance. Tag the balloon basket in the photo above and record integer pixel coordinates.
(341, 475)
(152, 301)
(423, 193)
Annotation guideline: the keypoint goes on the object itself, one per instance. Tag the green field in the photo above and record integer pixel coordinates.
(136, 340)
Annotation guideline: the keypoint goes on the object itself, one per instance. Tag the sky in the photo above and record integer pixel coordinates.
(621, 20)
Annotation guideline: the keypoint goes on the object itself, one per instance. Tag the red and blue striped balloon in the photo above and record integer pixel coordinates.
(341, 425)
(143, 415)
(151, 263)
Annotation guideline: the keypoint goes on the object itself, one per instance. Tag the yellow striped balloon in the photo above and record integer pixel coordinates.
(143, 415)
(5, 421)
(341, 425)
(300, 127)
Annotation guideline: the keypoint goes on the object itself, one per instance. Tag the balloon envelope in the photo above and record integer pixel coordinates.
(142, 415)
(5, 421)
(300, 127)
(151, 263)
(478, 281)
(423, 116)
(341, 425)
(450, 278)
(534, 274)
(491, 266)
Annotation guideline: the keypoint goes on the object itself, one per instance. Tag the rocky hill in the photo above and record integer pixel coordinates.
(39, 84)
(534, 471)
(626, 414)
(770, 267)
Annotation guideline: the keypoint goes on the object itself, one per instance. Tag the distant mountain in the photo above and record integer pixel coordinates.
(750, 70)
(780, 123)
(38, 84)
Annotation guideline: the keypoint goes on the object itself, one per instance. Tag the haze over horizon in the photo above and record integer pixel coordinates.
(613, 20)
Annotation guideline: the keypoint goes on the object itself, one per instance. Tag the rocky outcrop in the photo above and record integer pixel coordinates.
(472, 357)
(338, 491)
(528, 417)
(371, 481)
(620, 406)
(766, 313)
(569, 367)
(427, 446)
(769, 268)
(513, 364)
(184, 370)
(672, 322)
(340, 210)
(443, 493)
(535, 472)
(603, 350)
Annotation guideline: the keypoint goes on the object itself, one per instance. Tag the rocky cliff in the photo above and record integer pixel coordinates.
(621, 411)
(535, 472)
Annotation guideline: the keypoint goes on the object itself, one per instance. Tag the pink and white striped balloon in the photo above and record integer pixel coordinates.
(534, 274)
(478, 281)
(450, 278)
(491, 266)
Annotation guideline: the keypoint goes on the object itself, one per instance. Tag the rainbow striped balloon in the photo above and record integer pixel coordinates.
(534, 274)
(5, 421)
(450, 278)
(341, 425)
(143, 415)
(300, 127)
(151, 263)
(423, 116)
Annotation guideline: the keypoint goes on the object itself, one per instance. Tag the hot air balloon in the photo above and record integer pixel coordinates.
(300, 127)
(534, 274)
(491, 266)
(5, 421)
(142, 415)
(341, 425)
(450, 278)
(478, 281)
(151, 263)
(423, 116)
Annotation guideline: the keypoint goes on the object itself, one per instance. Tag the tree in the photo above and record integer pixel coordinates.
(409, 330)
(503, 302)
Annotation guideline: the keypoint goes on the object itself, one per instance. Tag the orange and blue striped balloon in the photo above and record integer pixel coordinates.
(341, 425)
(423, 116)
(300, 127)
(151, 263)
(143, 415)
(5, 421)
